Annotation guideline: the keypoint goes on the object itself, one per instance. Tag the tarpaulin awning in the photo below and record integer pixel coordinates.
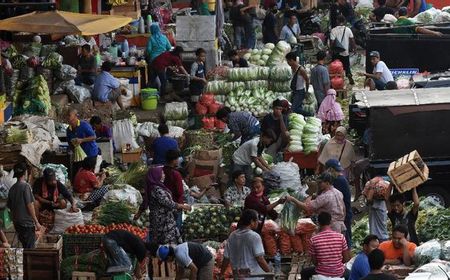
(59, 22)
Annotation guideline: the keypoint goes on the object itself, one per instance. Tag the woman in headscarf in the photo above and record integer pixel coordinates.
(158, 42)
(338, 148)
(330, 112)
(158, 199)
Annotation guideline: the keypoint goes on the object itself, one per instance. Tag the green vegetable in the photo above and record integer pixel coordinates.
(291, 213)
(52, 61)
(78, 154)
(114, 212)
(18, 136)
(133, 176)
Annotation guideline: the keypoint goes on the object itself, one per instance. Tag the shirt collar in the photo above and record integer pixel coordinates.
(78, 124)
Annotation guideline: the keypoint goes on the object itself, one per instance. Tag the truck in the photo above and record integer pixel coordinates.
(394, 123)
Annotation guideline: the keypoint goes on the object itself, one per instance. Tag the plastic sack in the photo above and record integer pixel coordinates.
(445, 253)
(123, 133)
(427, 252)
(289, 175)
(442, 17)
(65, 218)
(126, 193)
(305, 226)
(61, 87)
(296, 243)
(436, 270)
(176, 111)
(66, 73)
(427, 16)
(378, 185)
(150, 129)
(285, 243)
(78, 94)
(7, 180)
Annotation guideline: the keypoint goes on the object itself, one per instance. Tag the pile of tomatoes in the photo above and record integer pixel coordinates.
(99, 229)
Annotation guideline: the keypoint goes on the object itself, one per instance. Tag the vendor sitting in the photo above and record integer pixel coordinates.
(50, 193)
(87, 67)
(101, 130)
(108, 88)
(237, 60)
(88, 184)
(398, 250)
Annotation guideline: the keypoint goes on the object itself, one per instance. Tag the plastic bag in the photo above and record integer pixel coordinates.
(445, 253)
(78, 94)
(66, 73)
(123, 133)
(176, 111)
(7, 180)
(296, 243)
(437, 268)
(65, 218)
(126, 193)
(62, 87)
(289, 174)
(427, 252)
(305, 226)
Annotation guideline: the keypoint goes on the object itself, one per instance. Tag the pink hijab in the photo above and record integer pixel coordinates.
(330, 110)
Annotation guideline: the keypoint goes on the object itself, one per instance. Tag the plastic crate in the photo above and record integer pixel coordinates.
(77, 244)
(304, 161)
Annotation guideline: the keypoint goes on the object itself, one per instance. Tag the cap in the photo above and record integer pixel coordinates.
(335, 164)
(374, 54)
(325, 177)
(163, 252)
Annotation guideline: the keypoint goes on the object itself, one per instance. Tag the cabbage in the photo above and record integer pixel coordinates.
(265, 57)
(272, 46)
(284, 47)
(255, 51)
(247, 56)
(255, 57)
(281, 73)
(267, 51)
(292, 40)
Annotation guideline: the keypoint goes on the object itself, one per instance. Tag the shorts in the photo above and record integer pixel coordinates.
(114, 94)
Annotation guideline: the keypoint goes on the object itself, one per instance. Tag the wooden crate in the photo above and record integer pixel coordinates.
(41, 264)
(49, 242)
(80, 275)
(164, 269)
(408, 172)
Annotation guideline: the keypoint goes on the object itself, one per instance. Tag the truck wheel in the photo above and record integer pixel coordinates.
(438, 193)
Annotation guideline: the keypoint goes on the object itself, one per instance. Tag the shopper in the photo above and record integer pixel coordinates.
(192, 256)
(51, 194)
(343, 35)
(377, 207)
(328, 251)
(330, 112)
(88, 185)
(248, 13)
(320, 78)
(157, 43)
(269, 25)
(376, 261)
(21, 203)
(162, 144)
(174, 181)
(399, 214)
(341, 184)
(236, 193)
(299, 84)
(278, 123)
(87, 67)
(107, 88)
(381, 74)
(242, 124)
(360, 266)
(119, 246)
(291, 31)
(244, 248)
(236, 60)
(341, 7)
(258, 201)
(238, 22)
(198, 73)
(158, 199)
(398, 250)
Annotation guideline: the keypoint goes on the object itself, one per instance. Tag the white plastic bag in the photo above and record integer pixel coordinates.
(123, 134)
(427, 252)
(65, 218)
(150, 129)
(176, 111)
(289, 174)
(78, 93)
(7, 180)
(66, 73)
(126, 193)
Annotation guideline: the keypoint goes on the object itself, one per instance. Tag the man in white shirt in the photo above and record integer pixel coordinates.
(381, 74)
(345, 36)
(291, 29)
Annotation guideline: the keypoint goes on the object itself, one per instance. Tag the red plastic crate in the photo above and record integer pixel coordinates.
(304, 161)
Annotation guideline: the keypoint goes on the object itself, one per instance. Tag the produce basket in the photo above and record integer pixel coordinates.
(305, 161)
(77, 244)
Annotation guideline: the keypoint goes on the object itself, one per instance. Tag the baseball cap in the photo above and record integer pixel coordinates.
(335, 164)
(163, 252)
(374, 54)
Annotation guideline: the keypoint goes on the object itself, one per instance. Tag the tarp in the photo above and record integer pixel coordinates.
(59, 22)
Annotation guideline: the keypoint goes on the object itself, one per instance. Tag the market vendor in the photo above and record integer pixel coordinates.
(87, 67)
(51, 194)
(236, 193)
(399, 215)
(259, 202)
(168, 61)
(404, 25)
(360, 267)
(241, 124)
(381, 73)
(328, 200)
(102, 131)
(119, 245)
(88, 184)
(251, 152)
(291, 31)
(162, 144)
(299, 84)
(237, 60)
(191, 256)
(174, 182)
(157, 43)
(278, 123)
(107, 88)
(398, 250)
(379, 12)
(198, 73)
(341, 7)
(320, 78)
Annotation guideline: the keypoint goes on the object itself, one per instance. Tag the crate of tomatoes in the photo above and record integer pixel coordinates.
(81, 239)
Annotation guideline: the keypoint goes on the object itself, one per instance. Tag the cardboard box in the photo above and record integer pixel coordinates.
(198, 168)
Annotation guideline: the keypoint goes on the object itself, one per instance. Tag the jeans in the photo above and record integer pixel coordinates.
(26, 235)
(239, 37)
(298, 96)
(162, 77)
(345, 62)
(116, 254)
(250, 34)
(379, 85)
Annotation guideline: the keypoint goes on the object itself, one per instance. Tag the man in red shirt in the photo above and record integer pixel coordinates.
(174, 181)
(168, 60)
(328, 251)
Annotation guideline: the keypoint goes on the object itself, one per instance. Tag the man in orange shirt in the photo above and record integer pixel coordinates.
(398, 250)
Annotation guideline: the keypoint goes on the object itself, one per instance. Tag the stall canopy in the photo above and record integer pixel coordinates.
(59, 22)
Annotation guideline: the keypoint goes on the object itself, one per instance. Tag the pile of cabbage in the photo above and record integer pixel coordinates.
(296, 124)
(433, 16)
(280, 78)
(305, 134)
(270, 55)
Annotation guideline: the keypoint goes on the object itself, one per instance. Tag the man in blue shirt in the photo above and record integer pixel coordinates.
(342, 185)
(360, 267)
(107, 88)
(81, 133)
(163, 144)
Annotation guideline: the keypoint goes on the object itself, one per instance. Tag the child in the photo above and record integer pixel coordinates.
(377, 191)
(198, 73)
(399, 215)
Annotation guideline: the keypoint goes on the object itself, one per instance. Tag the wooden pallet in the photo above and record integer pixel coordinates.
(298, 263)
(164, 269)
(408, 172)
(81, 275)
